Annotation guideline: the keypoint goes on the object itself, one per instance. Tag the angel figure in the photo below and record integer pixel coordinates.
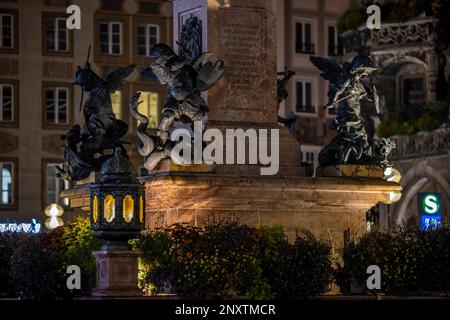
(186, 75)
(84, 148)
(347, 88)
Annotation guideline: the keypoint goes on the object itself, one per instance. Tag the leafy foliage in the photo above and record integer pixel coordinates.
(227, 258)
(38, 263)
(410, 260)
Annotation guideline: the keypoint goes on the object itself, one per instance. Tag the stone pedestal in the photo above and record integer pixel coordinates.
(327, 206)
(243, 34)
(117, 274)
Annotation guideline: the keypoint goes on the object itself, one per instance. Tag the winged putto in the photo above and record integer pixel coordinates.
(186, 75)
(347, 88)
(85, 147)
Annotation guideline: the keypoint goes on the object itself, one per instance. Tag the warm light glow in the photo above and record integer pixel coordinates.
(54, 210)
(95, 209)
(141, 209)
(149, 107)
(392, 174)
(128, 205)
(109, 208)
(394, 196)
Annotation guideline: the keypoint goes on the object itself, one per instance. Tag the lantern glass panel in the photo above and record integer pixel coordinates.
(141, 209)
(95, 209)
(128, 205)
(109, 208)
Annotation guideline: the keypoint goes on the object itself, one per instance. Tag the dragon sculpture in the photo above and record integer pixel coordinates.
(186, 75)
(347, 89)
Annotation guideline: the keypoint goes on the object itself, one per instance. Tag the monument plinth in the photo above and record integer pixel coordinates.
(242, 33)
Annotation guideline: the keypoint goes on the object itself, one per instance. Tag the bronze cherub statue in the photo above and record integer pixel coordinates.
(346, 91)
(84, 148)
(186, 75)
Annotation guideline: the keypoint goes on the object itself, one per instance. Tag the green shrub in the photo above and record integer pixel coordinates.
(410, 260)
(38, 268)
(38, 263)
(7, 243)
(304, 270)
(227, 258)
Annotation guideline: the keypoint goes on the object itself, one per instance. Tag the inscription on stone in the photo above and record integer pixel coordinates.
(242, 39)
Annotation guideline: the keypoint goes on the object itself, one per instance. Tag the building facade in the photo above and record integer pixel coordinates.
(38, 103)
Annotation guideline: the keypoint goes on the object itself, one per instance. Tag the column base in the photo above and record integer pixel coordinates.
(117, 274)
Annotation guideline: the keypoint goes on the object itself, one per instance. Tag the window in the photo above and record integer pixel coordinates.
(54, 186)
(6, 103)
(56, 105)
(6, 181)
(116, 103)
(56, 34)
(6, 31)
(413, 92)
(304, 37)
(149, 107)
(308, 157)
(304, 100)
(111, 38)
(334, 43)
(148, 36)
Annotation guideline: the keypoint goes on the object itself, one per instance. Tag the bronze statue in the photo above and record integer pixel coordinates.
(347, 89)
(186, 76)
(282, 94)
(84, 148)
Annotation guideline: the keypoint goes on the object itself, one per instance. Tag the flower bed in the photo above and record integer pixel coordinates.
(411, 261)
(227, 258)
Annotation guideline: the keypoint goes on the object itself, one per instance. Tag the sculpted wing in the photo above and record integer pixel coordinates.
(115, 80)
(209, 74)
(330, 69)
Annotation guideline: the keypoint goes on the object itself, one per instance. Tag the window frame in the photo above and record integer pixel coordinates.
(56, 86)
(314, 98)
(313, 43)
(147, 37)
(14, 13)
(69, 33)
(15, 104)
(15, 184)
(338, 49)
(110, 36)
(44, 165)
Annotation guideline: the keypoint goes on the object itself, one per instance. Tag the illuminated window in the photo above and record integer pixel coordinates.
(56, 34)
(6, 102)
(111, 38)
(148, 36)
(6, 31)
(54, 186)
(149, 107)
(6, 181)
(116, 102)
(56, 105)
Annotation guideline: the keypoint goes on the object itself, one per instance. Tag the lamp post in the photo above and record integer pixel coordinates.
(117, 215)
(53, 212)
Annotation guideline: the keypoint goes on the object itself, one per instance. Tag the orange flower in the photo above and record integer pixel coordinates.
(189, 254)
(179, 251)
(180, 259)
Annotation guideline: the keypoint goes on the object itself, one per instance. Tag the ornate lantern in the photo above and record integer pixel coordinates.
(117, 203)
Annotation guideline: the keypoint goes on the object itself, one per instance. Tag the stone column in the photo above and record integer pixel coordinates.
(242, 33)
